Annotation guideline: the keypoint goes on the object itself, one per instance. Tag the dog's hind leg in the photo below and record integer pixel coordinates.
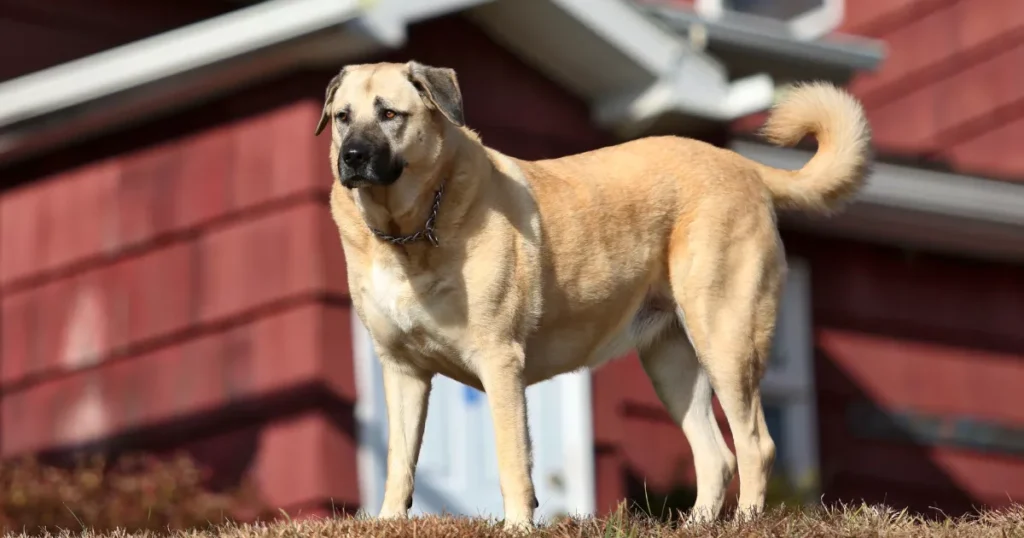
(727, 291)
(684, 389)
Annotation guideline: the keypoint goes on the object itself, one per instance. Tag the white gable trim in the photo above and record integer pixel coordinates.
(632, 68)
(618, 59)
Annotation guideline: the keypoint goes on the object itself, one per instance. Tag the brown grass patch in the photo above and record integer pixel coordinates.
(778, 522)
(148, 497)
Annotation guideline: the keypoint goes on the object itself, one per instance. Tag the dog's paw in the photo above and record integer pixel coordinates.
(701, 515)
(397, 513)
(518, 525)
(748, 512)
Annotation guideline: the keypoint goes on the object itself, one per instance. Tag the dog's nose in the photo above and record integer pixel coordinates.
(355, 155)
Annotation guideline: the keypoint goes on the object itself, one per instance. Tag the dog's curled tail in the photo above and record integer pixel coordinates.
(839, 168)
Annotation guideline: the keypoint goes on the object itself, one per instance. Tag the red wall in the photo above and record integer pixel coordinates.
(949, 89)
(184, 285)
(926, 334)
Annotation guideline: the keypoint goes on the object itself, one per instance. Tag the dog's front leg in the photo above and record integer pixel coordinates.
(406, 391)
(502, 379)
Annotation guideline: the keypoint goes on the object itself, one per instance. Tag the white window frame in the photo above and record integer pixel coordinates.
(790, 384)
(807, 27)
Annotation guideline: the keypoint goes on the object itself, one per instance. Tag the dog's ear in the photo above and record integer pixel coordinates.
(440, 88)
(332, 87)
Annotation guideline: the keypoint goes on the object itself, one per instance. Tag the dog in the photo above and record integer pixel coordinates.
(499, 272)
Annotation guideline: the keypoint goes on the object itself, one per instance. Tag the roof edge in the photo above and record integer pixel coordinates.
(917, 208)
(628, 66)
(836, 50)
(168, 71)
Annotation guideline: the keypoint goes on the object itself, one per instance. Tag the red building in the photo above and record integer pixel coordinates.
(170, 276)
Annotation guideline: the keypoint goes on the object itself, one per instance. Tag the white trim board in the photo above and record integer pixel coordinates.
(789, 384)
(916, 208)
(371, 462)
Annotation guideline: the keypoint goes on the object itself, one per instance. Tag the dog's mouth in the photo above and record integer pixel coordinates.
(355, 182)
(372, 176)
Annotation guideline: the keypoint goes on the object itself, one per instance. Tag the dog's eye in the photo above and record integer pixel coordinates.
(390, 114)
(342, 116)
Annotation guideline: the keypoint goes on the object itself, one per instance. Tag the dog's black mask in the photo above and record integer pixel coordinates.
(365, 157)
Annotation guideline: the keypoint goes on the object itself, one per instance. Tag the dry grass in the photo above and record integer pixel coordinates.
(150, 496)
(844, 521)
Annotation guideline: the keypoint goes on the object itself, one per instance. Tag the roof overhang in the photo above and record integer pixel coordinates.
(633, 70)
(158, 75)
(916, 208)
(753, 45)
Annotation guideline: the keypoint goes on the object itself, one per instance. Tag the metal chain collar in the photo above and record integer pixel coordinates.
(426, 233)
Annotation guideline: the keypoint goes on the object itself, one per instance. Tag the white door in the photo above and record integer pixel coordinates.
(458, 471)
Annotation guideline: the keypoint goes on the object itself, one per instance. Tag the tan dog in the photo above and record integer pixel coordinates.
(500, 273)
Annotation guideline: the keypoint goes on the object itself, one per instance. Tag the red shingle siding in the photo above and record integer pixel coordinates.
(293, 252)
(996, 152)
(891, 375)
(949, 89)
(305, 345)
(871, 17)
(939, 40)
(305, 463)
(923, 334)
(160, 193)
(165, 284)
(115, 308)
(85, 318)
(64, 219)
(928, 296)
(907, 125)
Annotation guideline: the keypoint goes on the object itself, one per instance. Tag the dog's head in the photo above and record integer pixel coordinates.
(386, 118)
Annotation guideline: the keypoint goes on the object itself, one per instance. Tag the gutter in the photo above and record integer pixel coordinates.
(916, 208)
(734, 32)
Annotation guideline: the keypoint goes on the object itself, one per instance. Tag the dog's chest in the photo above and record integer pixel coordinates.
(391, 293)
(401, 305)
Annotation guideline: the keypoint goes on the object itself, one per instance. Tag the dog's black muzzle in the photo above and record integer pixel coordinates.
(361, 161)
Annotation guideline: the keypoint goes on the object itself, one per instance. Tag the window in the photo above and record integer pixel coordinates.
(788, 387)
(801, 19)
